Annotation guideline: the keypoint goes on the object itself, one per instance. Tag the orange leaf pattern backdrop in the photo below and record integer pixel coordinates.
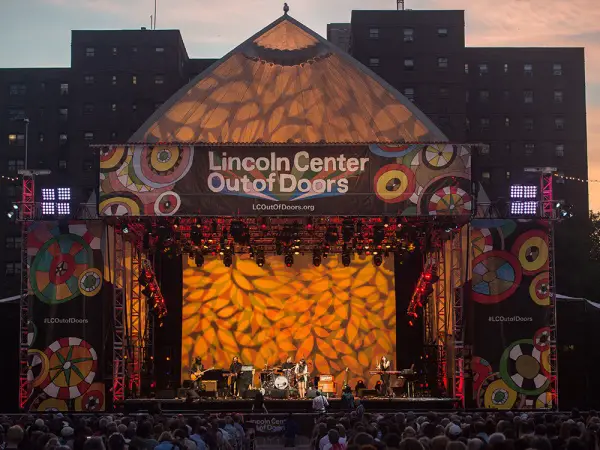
(334, 316)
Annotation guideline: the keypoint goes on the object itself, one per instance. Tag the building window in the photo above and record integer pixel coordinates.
(113, 135)
(374, 62)
(528, 96)
(88, 136)
(160, 49)
(374, 33)
(442, 32)
(12, 268)
(114, 80)
(64, 88)
(41, 138)
(159, 79)
(14, 165)
(113, 107)
(63, 114)
(16, 114)
(16, 139)
(507, 121)
(88, 79)
(88, 108)
(134, 79)
(87, 166)
(559, 150)
(409, 63)
(485, 176)
(528, 124)
(409, 34)
(558, 96)
(506, 95)
(409, 93)
(444, 92)
(559, 123)
(442, 63)
(484, 150)
(484, 96)
(557, 69)
(507, 174)
(115, 51)
(505, 67)
(529, 149)
(17, 89)
(62, 164)
(90, 52)
(63, 138)
(134, 107)
(466, 68)
(484, 123)
(13, 242)
(483, 69)
(467, 96)
(528, 69)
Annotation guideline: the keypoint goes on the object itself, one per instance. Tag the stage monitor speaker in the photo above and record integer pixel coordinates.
(311, 393)
(368, 393)
(166, 394)
(191, 395)
(207, 394)
(209, 385)
(277, 393)
(249, 394)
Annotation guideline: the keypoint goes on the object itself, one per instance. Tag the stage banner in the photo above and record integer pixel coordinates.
(508, 314)
(269, 429)
(66, 309)
(409, 180)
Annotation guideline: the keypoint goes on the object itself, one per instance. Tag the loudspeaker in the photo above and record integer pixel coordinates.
(191, 395)
(209, 385)
(368, 393)
(277, 393)
(311, 393)
(249, 394)
(166, 394)
(207, 394)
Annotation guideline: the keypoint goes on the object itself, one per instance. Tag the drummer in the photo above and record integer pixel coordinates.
(288, 364)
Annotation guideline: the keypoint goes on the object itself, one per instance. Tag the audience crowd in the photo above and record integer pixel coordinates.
(356, 430)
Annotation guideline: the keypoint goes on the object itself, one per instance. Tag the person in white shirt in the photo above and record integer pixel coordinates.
(320, 403)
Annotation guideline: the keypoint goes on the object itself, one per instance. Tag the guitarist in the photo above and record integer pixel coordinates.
(196, 371)
(236, 369)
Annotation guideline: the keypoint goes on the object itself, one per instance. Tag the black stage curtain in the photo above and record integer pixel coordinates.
(9, 378)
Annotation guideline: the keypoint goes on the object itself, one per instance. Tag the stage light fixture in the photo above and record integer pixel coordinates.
(347, 230)
(237, 230)
(10, 214)
(427, 290)
(377, 260)
(125, 229)
(278, 248)
(196, 237)
(260, 258)
(316, 258)
(289, 260)
(378, 234)
(48, 195)
(64, 194)
(199, 259)
(332, 235)
(48, 208)
(346, 258)
(227, 259)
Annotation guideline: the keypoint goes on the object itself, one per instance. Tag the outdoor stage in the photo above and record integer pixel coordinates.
(373, 405)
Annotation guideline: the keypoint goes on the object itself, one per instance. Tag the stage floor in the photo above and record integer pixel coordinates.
(285, 405)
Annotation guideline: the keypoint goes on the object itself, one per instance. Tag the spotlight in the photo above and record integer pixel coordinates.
(278, 248)
(125, 229)
(15, 206)
(237, 231)
(199, 259)
(332, 235)
(227, 259)
(196, 237)
(427, 290)
(289, 260)
(10, 214)
(346, 258)
(316, 258)
(377, 260)
(260, 258)
(347, 230)
(378, 234)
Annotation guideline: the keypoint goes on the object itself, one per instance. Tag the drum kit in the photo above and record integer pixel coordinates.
(277, 378)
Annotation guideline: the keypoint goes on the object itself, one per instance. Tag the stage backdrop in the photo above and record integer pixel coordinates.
(410, 179)
(65, 331)
(508, 314)
(334, 316)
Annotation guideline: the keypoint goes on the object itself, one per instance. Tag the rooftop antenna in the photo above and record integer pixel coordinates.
(286, 9)
(155, 13)
(151, 23)
(400, 5)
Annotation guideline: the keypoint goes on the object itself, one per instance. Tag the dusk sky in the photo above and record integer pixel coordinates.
(36, 33)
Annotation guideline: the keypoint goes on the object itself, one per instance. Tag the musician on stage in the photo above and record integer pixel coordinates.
(288, 364)
(196, 369)
(384, 366)
(236, 369)
(301, 371)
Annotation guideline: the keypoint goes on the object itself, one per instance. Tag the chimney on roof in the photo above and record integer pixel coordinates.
(286, 9)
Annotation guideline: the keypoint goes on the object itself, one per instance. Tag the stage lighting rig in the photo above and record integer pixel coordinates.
(346, 257)
(378, 234)
(196, 236)
(377, 260)
(227, 258)
(316, 258)
(331, 236)
(347, 230)
(199, 259)
(289, 260)
(260, 258)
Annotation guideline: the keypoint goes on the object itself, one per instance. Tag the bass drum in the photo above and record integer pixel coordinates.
(281, 382)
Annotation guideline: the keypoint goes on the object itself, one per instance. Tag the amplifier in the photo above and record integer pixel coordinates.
(311, 393)
(247, 368)
(277, 393)
(327, 387)
(209, 385)
(326, 378)
(368, 393)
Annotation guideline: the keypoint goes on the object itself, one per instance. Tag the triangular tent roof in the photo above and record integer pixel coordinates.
(286, 84)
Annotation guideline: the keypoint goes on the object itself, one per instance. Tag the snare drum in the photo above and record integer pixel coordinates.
(281, 382)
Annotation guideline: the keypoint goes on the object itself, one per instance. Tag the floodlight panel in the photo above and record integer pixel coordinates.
(63, 209)
(48, 195)
(48, 208)
(64, 193)
(517, 191)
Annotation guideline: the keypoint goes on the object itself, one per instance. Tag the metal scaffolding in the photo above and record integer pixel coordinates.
(119, 319)
(134, 339)
(456, 280)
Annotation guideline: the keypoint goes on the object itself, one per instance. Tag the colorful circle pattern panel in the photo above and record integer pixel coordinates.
(72, 368)
(37, 367)
(541, 339)
(521, 368)
(162, 166)
(439, 156)
(167, 204)
(394, 183)
(494, 393)
(496, 276)
(539, 289)
(120, 204)
(532, 250)
(44, 403)
(450, 201)
(90, 282)
(56, 268)
(482, 241)
(93, 400)
(111, 158)
(481, 370)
